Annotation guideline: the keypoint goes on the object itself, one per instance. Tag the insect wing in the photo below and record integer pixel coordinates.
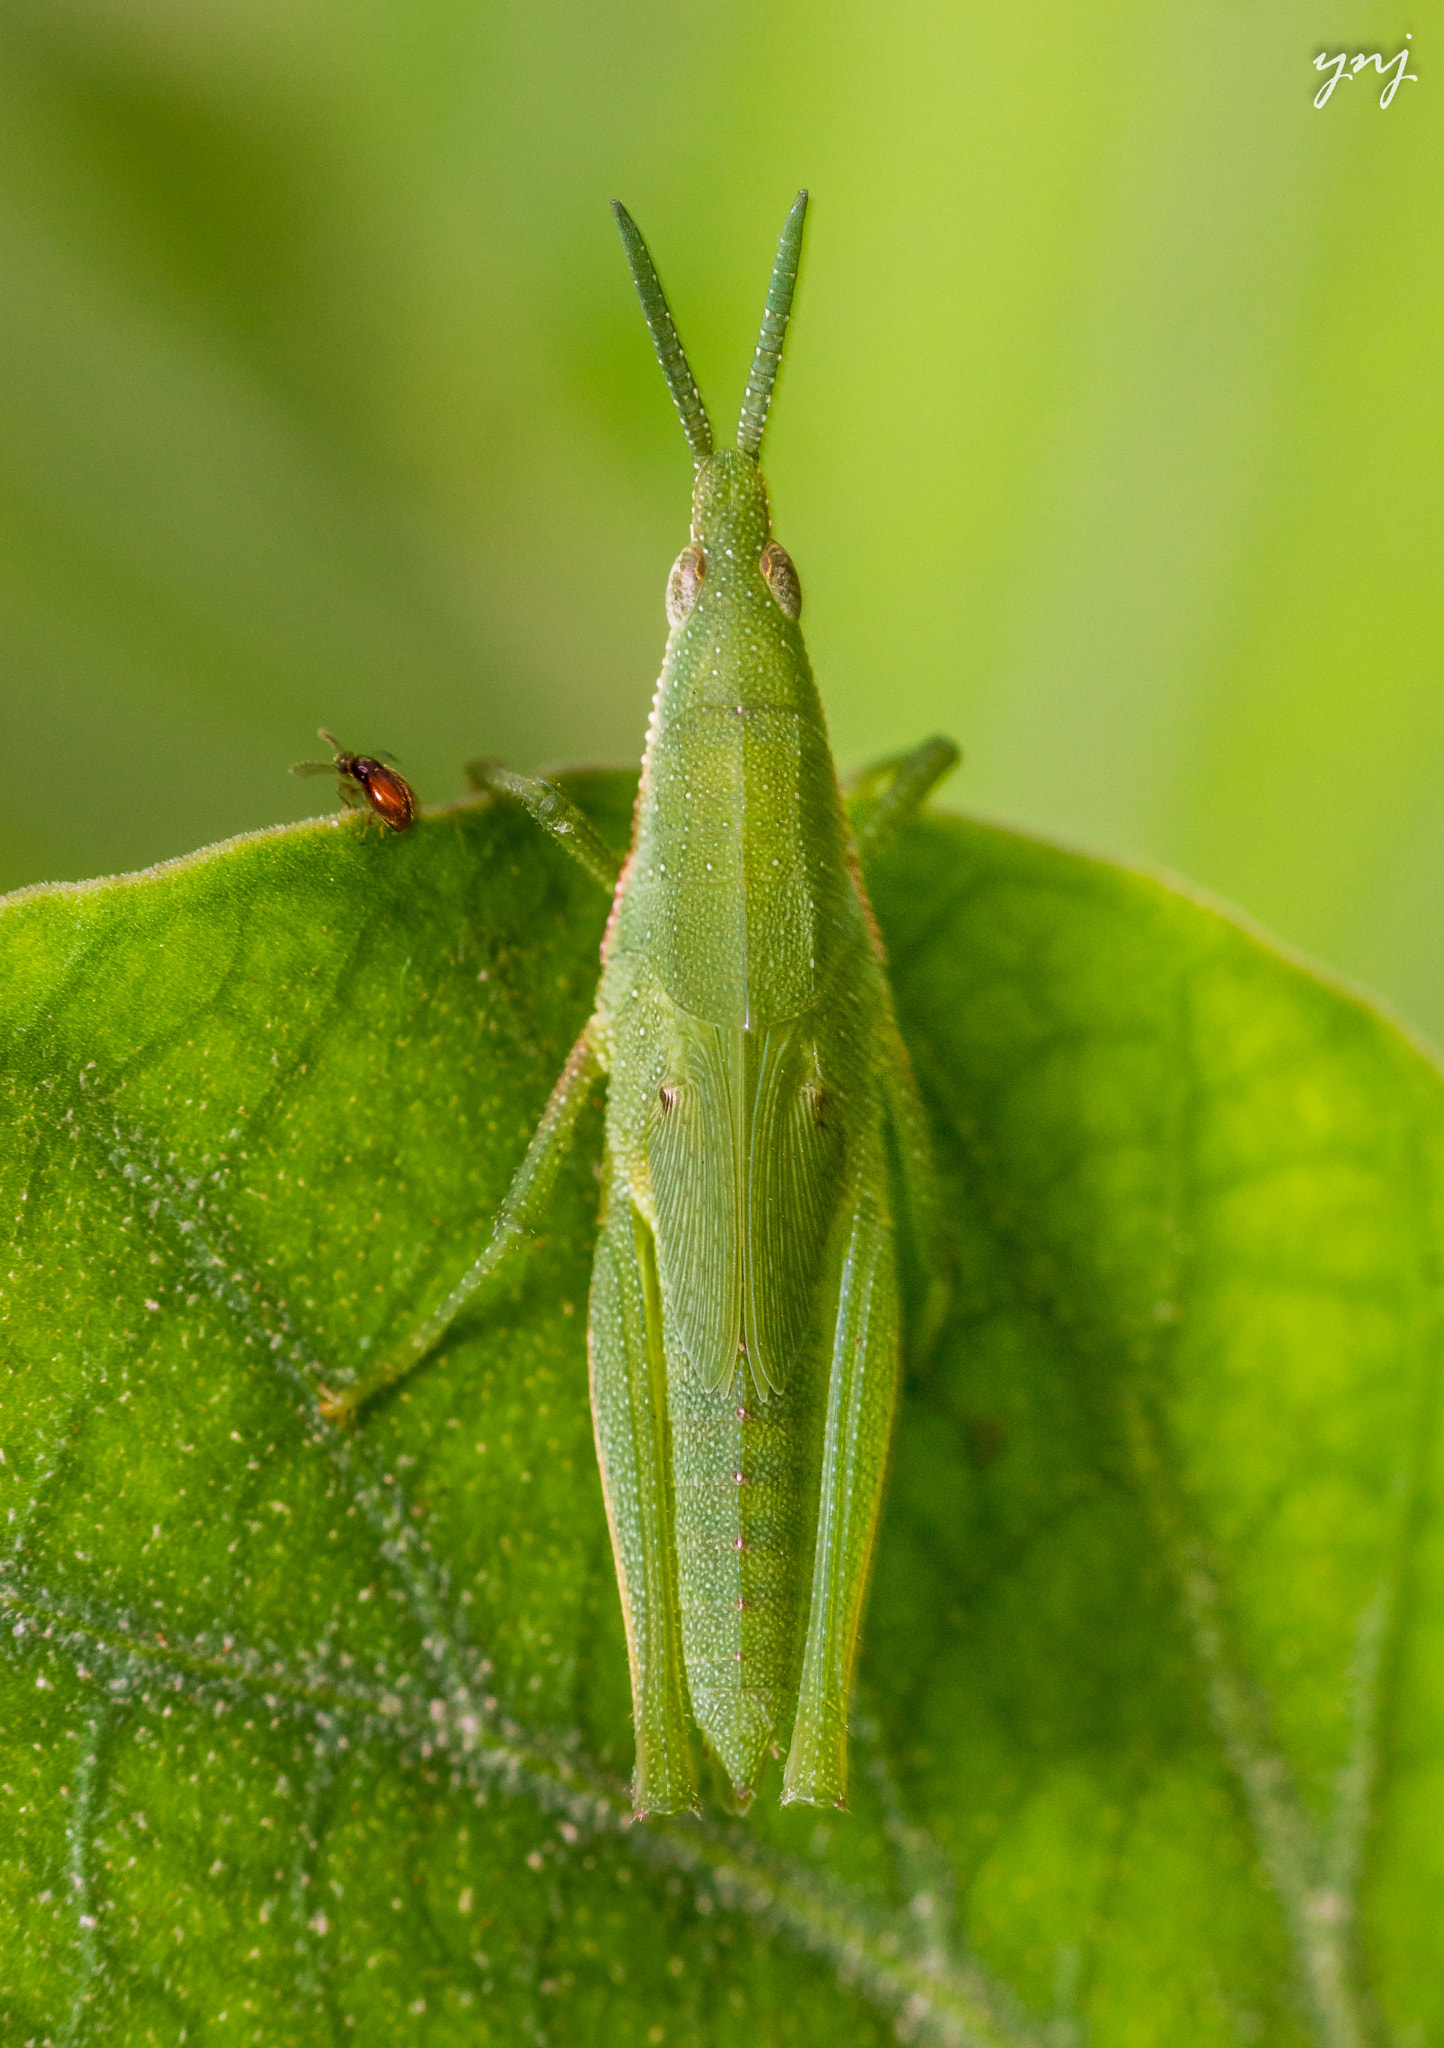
(694, 1152)
(795, 1168)
(746, 1169)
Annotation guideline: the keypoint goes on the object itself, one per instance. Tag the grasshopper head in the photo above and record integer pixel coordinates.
(729, 507)
(731, 538)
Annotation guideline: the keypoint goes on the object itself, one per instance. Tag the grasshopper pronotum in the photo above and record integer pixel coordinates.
(761, 1117)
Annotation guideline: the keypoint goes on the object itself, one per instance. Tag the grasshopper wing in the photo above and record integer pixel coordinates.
(795, 1165)
(746, 1166)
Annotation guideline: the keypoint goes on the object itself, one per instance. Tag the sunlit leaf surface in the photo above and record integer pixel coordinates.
(317, 1738)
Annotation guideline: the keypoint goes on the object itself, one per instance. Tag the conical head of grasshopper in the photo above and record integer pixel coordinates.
(732, 568)
(731, 520)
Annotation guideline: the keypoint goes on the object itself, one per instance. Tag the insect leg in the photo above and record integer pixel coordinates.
(527, 1195)
(923, 1212)
(555, 812)
(861, 1392)
(895, 791)
(629, 1415)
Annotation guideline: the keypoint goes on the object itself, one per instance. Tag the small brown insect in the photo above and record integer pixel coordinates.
(362, 779)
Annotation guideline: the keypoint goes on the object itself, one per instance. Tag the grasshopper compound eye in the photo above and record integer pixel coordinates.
(388, 794)
(780, 575)
(684, 583)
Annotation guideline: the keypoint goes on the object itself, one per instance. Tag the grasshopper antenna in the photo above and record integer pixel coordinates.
(775, 313)
(665, 339)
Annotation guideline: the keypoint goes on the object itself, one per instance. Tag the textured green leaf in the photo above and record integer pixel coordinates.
(310, 1737)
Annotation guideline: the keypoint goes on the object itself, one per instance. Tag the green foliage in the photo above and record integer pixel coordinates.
(311, 1736)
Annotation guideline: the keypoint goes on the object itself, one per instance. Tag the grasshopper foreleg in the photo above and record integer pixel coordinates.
(896, 790)
(555, 812)
(520, 1207)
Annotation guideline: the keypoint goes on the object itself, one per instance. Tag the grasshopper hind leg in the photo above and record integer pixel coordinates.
(629, 1413)
(862, 1390)
(930, 1255)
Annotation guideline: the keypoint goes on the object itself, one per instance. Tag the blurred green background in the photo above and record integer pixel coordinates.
(1109, 440)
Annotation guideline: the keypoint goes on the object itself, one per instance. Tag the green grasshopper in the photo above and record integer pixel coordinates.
(744, 1329)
